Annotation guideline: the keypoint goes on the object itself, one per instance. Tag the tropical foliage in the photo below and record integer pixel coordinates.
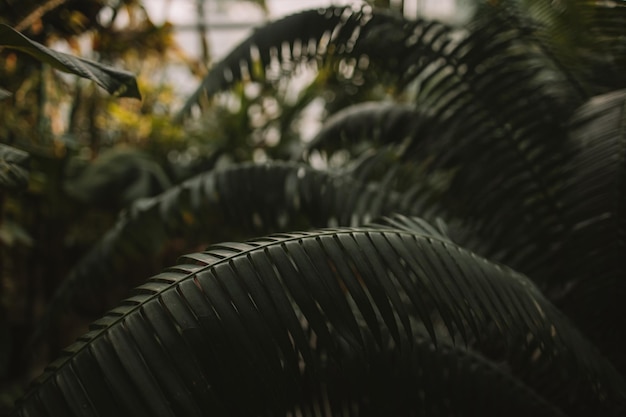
(463, 252)
(73, 156)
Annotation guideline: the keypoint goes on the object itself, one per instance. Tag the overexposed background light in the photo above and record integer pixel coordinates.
(229, 22)
(226, 23)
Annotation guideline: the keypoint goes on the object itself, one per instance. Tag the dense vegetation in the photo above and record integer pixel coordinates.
(462, 214)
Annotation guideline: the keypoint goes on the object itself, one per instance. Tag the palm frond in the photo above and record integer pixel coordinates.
(377, 122)
(117, 82)
(117, 178)
(495, 107)
(237, 201)
(358, 319)
(463, 179)
(498, 104)
(607, 55)
(499, 112)
(589, 278)
(585, 39)
(302, 36)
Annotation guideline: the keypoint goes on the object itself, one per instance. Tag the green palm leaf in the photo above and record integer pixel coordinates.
(585, 39)
(496, 104)
(117, 82)
(361, 318)
(301, 36)
(237, 201)
(589, 279)
(393, 317)
(375, 123)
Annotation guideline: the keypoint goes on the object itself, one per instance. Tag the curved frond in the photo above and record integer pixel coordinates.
(379, 122)
(492, 108)
(585, 39)
(358, 319)
(298, 37)
(119, 83)
(117, 178)
(590, 279)
(413, 225)
(238, 201)
(606, 56)
(496, 104)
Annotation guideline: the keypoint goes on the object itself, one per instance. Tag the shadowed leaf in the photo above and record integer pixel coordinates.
(366, 317)
(13, 167)
(299, 37)
(274, 197)
(117, 82)
(590, 277)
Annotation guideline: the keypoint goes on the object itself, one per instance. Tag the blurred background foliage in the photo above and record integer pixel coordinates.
(91, 154)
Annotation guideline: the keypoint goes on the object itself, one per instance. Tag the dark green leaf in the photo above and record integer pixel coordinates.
(13, 167)
(117, 82)
(590, 273)
(202, 338)
(378, 122)
(305, 35)
(116, 178)
(273, 197)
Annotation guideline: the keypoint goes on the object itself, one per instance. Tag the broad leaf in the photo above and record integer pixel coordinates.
(13, 167)
(117, 82)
